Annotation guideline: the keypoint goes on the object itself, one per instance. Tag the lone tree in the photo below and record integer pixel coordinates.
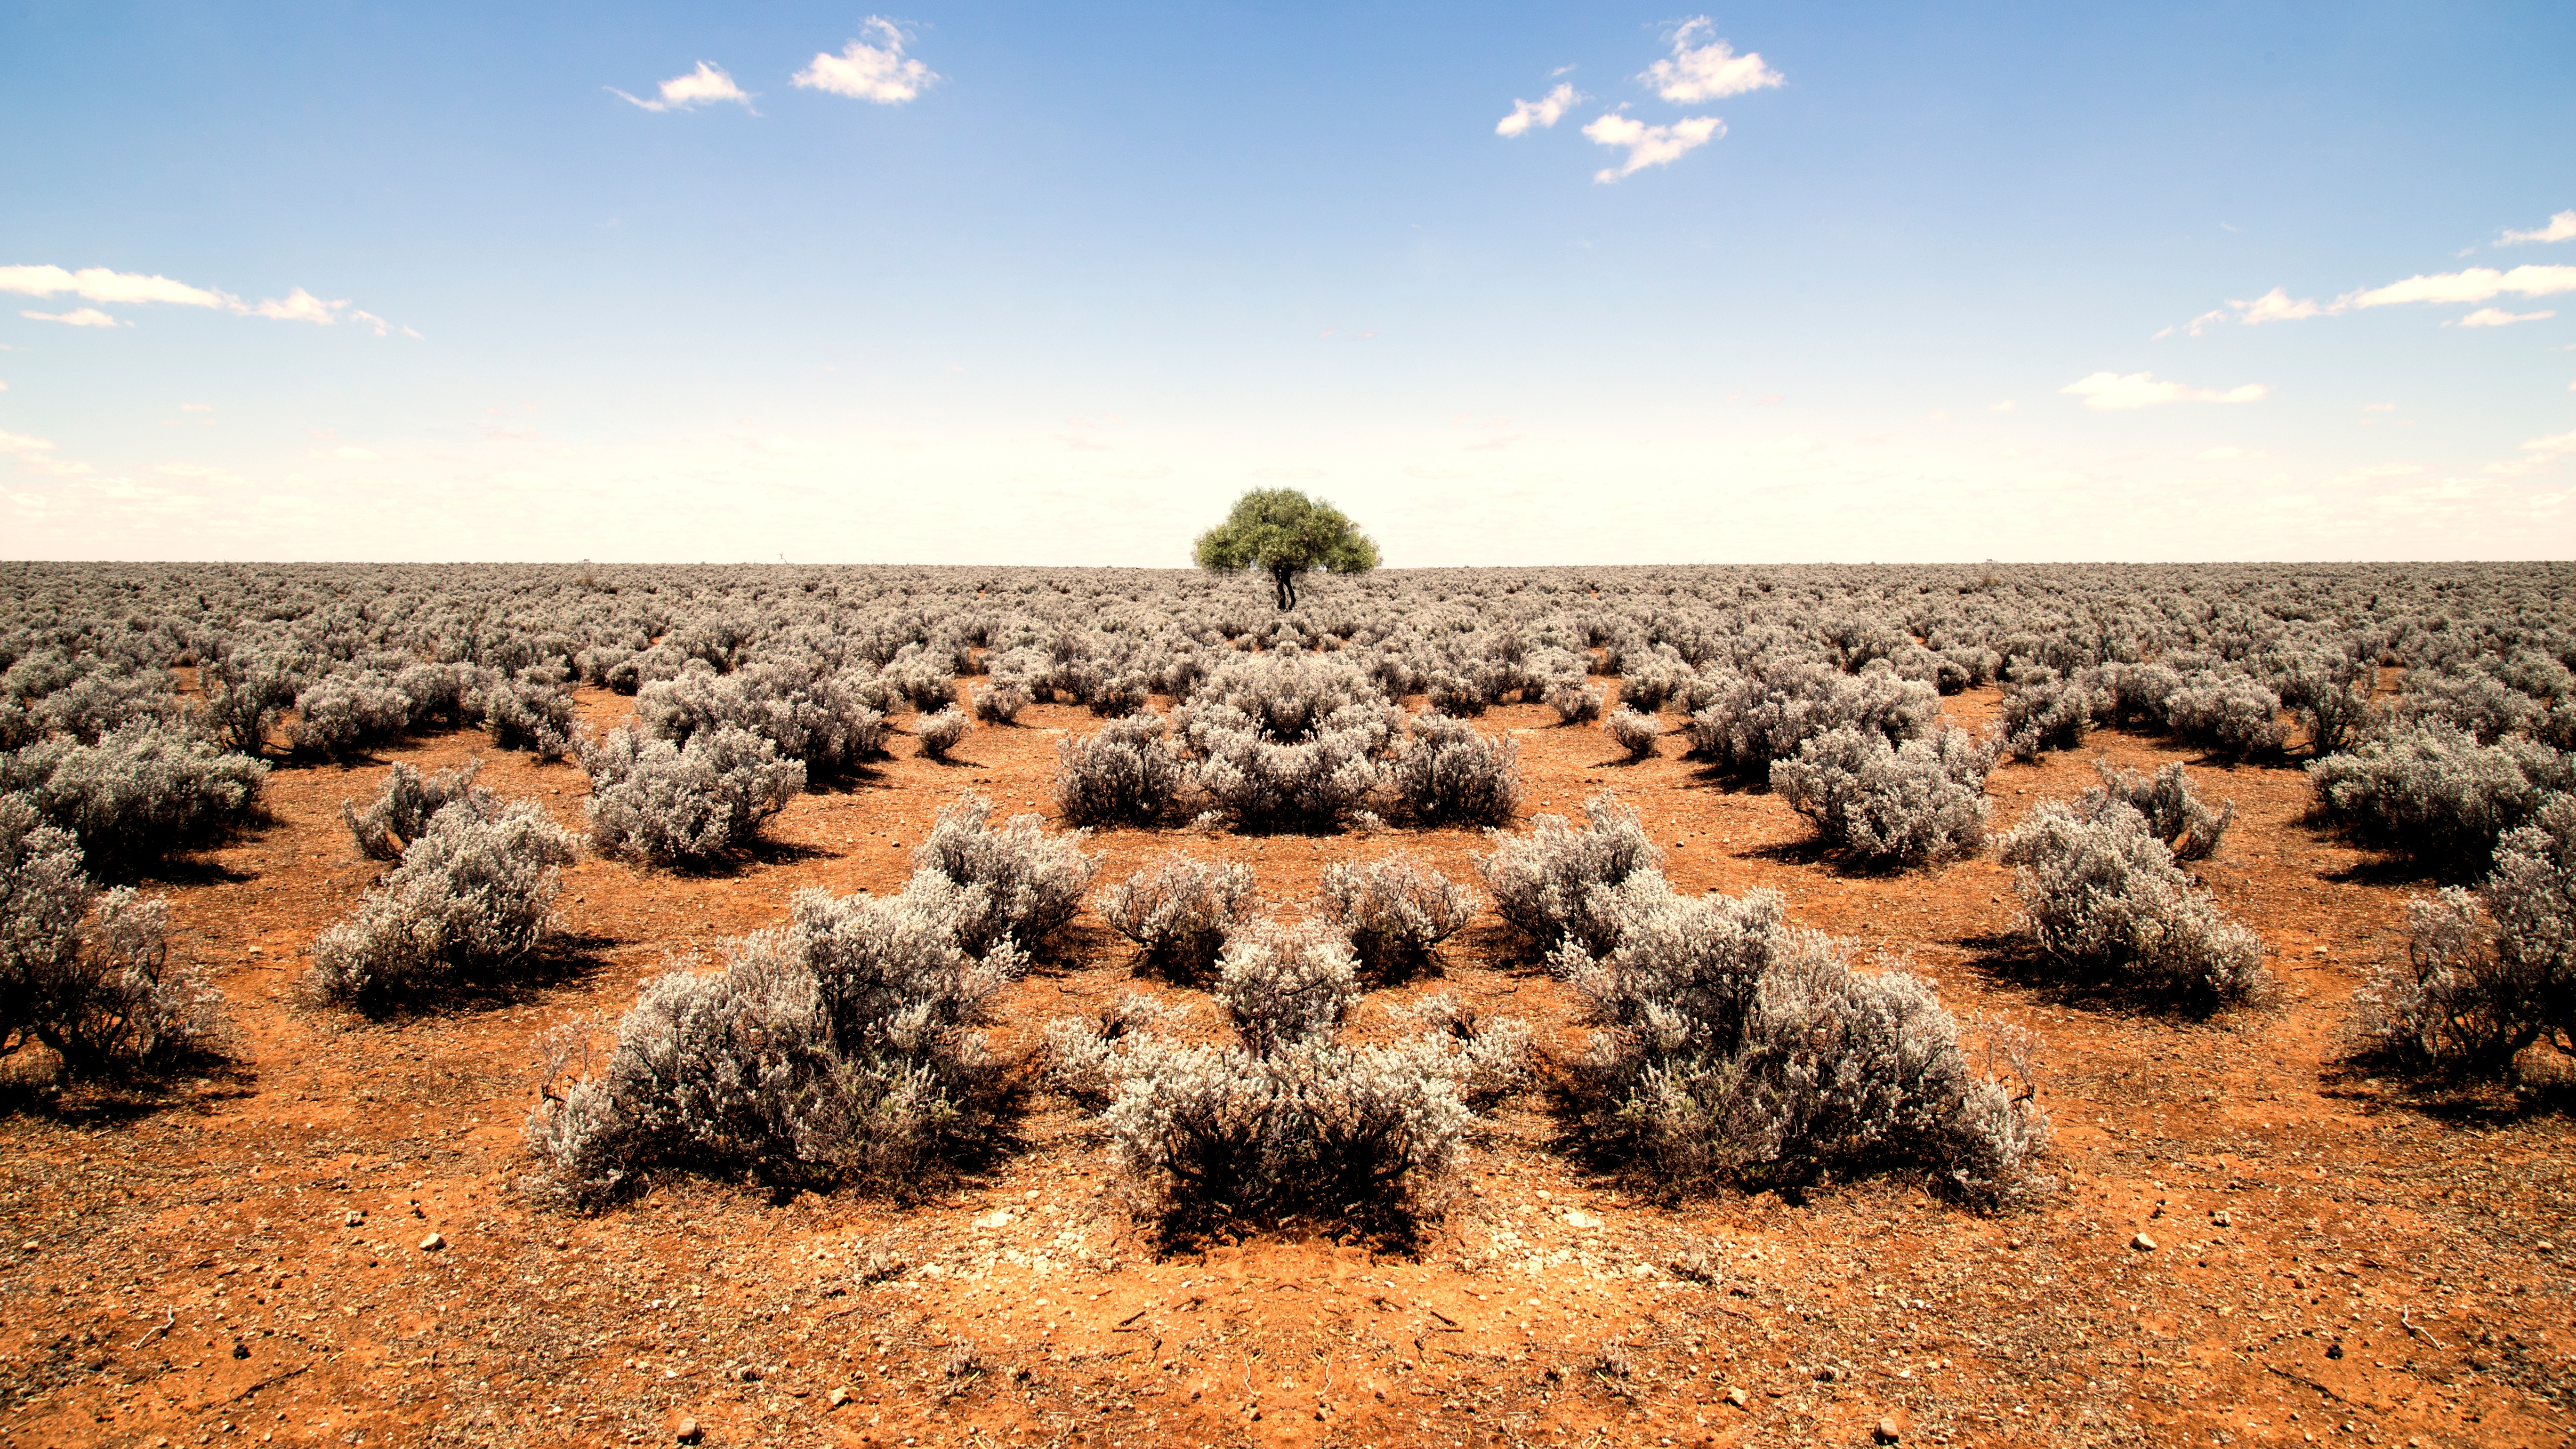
(1287, 533)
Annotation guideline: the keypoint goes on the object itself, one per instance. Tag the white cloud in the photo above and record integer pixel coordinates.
(697, 88)
(2498, 317)
(300, 306)
(2562, 227)
(1543, 112)
(2477, 284)
(2275, 306)
(1707, 72)
(78, 317)
(37, 453)
(1650, 145)
(98, 284)
(2007, 405)
(865, 72)
(2543, 451)
(2107, 390)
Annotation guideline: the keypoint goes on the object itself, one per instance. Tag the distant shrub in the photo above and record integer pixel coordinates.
(141, 793)
(1123, 774)
(1263, 783)
(1016, 882)
(926, 681)
(2473, 702)
(346, 714)
(2106, 901)
(2173, 809)
(1283, 984)
(2433, 793)
(1633, 732)
(1179, 911)
(823, 720)
(244, 695)
(1285, 698)
(84, 971)
(1574, 701)
(2227, 714)
(1557, 882)
(830, 1050)
(691, 805)
(407, 801)
(2043, 711)
(1395, 911)
(940, 732)
(470, 898)
(1650, 682)
(1890, 805)
(1737, 1050)
(1450, 774)
(2330, 693)
(1001, 701)
(530, 711)
(1747, 722)
(2490, 973)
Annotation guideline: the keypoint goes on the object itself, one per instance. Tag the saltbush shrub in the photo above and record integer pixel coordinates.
(1179, 911)
(141, 793)
(348, 714)
(84, 971)
(2228, 715)
(530, 710)
(1282, 984)
(1122, 774)
(1263, 783)
(1556, 883)
(939, 732)
(823, 720)
(684, 805)
(832, 1050)
(1001, 701)
(1738, 1050)
(1748, 721)
(2174, 809)
(1395, 911)
(2490, 973)
(2431, 792)
(2044, 711)
(1890, 806)
(2105, 902)
(1015, 881)
(1632, 731)
(405, 803)
(1449, 774)
(244, 693)
(470, 899)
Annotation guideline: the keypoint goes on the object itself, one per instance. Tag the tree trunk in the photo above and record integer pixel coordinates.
(1285, 582)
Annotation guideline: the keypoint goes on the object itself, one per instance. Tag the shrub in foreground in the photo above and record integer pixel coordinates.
(1557, 883)
(2432, 792)
(1633, 731)
(1890, 805)
(1395, 910)
(2105, 901)
(1122, 774)
(141, 793)
(832, 1050)
(84, 971)
(1015, 882)
(685, 805)
(2490, 973)
(2173, 808)
(470, 899)
(1179, 911)
(406, 802)
(1450, 774)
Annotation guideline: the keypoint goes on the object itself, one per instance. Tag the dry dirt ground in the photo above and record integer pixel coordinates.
(239, 1258)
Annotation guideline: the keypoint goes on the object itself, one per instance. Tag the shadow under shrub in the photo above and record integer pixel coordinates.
(2106, 903)
(470, 899)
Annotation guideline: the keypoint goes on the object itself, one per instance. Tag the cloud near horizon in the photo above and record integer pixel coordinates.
(2105, 391)
(1708, 72)
(2474, 284)
(100, 284)
(1543, 112)
(708, 83)
(1650, 145)
(864, 72)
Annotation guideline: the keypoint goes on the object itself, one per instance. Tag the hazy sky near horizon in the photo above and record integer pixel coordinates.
(1511, 284)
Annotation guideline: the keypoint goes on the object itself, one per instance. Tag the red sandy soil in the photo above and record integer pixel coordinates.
(238, 1258)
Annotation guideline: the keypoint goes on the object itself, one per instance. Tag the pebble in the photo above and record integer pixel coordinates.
(355, 1219)
(1737, 1397)
(688, 1432)
(839, 1397)
(1885, 1433)
(2220, 1219)
(432, 1243)
(2143, 1243)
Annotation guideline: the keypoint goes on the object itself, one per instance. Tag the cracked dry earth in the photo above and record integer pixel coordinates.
(240, 1258)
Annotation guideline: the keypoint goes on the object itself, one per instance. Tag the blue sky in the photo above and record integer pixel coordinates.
(1053, 284)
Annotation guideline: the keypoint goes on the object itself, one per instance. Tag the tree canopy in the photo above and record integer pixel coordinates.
(1284, 532)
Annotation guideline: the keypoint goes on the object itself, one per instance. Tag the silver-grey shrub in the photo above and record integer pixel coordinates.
(834, 1049)
(2491, 973)
(470, 899)
(691, 805)
(939, 732)
(347, 714)
(2105, 902)
(2431, 792)
(1738, 1050)
(530, 710)
(405, 803)
(1179, 911)
(824, 720)
(1633, 731)
(1448, 774)
(1001, 701)
(2174, 810)
(143, 792)
(1890, 806)
(84, 971)
(1016, 882)
(2043, 711)
(1281, 984)
(1556, 883)
(1310, 782)
(2227, 714)
(1395, 911)
(1748, 721)
(1125, 773)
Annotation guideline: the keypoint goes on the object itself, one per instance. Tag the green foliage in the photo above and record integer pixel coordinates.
(1285, 533)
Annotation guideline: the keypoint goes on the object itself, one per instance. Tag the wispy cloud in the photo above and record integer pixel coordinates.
(707, 84)
(2476, 284)
(2542, 452)
(2109, 391)
(38, 454)
(1650, 145)
(864, 72)
(2562, 227)
(1542, 113)
(2498, 317)
(1706, 72)
(77, 317)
